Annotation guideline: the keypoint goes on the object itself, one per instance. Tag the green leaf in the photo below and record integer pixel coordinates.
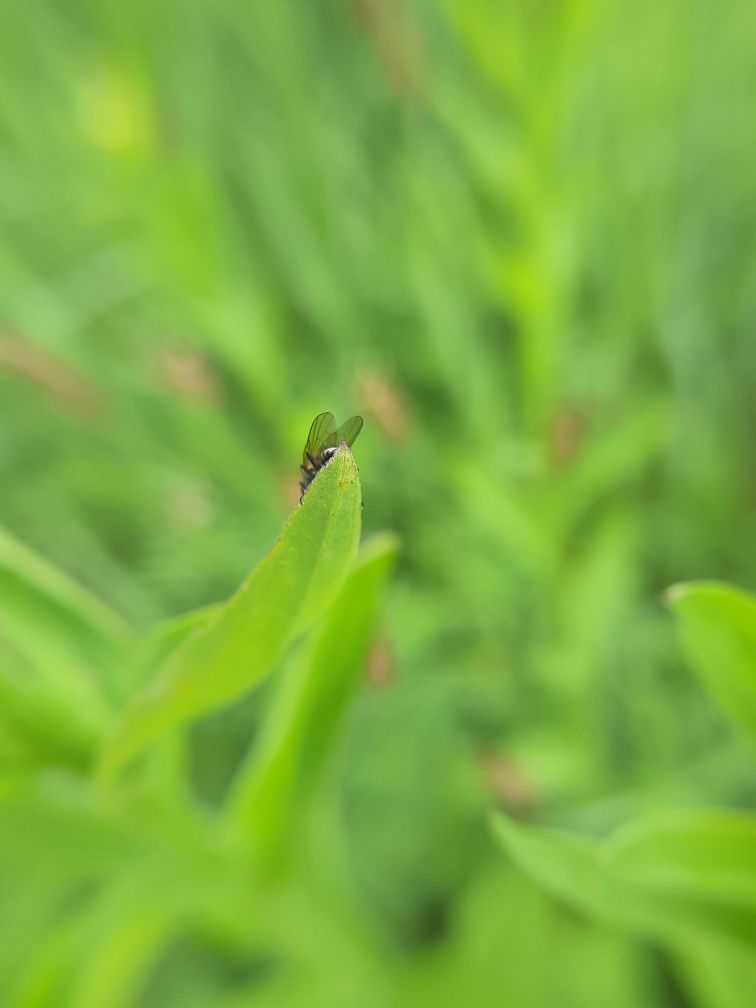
(124, 935)
(285, 593)
(68, 636)
(54, 828)
(711, 853)
(86, 613)
(563, 863)
(271, 788)
(717, 625)
(165, 638)
(654, 877)
(42, 725)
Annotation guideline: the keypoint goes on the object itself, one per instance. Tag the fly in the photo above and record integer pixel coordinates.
(322, 442)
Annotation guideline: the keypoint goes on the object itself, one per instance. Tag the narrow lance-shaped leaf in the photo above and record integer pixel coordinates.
(71, 640)
(231, 652)
(88, 615)
(41, 724)
(717, 625)
(683, 877)
(271, 786)
(711, 852)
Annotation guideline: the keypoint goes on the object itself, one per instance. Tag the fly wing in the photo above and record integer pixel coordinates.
(349, 430)
(322, 434)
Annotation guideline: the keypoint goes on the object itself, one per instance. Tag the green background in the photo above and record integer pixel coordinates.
(518, 238)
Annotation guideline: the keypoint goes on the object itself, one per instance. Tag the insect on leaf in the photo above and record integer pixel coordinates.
(232, 650)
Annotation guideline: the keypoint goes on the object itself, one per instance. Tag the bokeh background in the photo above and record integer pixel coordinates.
(518, 238)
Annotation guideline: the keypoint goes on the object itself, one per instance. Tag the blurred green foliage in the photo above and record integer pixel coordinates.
(517, 237)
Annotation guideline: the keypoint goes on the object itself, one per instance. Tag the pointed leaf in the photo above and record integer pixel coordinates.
(637, 886)
(717, 625)
(285, 593)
